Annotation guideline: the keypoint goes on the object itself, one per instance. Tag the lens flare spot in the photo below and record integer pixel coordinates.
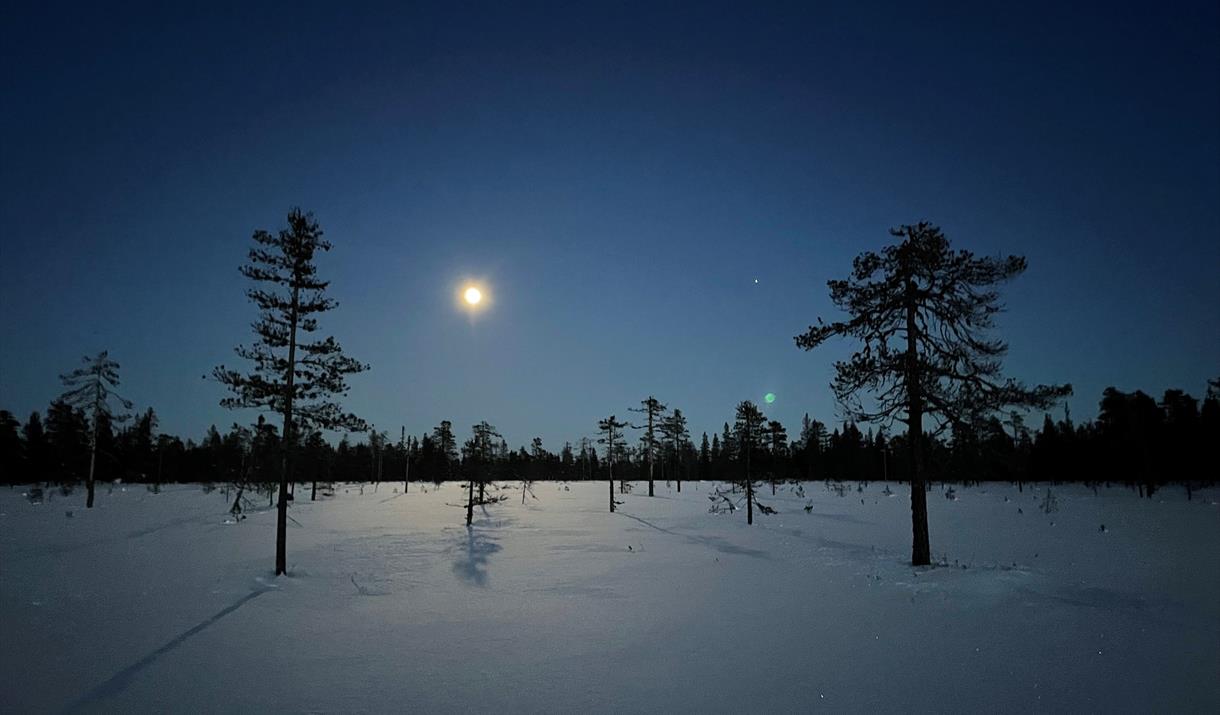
(769, 397)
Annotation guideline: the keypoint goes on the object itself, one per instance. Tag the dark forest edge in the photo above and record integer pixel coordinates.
(1135, 440)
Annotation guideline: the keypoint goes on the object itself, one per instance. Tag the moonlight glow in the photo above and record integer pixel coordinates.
(473, 295)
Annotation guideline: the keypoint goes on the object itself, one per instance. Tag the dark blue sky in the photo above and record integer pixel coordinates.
(619, 176)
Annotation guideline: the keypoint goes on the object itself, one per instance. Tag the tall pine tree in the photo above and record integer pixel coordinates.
(922, 311)
(291, 374)
(652, 408)
(613, 431)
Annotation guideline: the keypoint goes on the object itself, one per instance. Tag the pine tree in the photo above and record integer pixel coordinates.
(613, 431)
(777, 451)
(480, 450)
(652, 408)
(91, 389)
(811, 444)
(749, 436)
(292, 375)
(37, 451)
(445, 448)
(67, 439)
(922, 312)
(675, 436)
(138, 443)
(705, 458)
(12, 450)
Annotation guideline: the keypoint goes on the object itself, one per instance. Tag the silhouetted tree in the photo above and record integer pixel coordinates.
(810, 446)
(705, 458)
(777, 451)
(12, 451)
(922, 311)
(444, 449)
(67, 432)
(479, 451)
(652, 408)
(613, 431)
(37, 452)
(675, 436)
(91, 389)
(291, 375)
(749, 434)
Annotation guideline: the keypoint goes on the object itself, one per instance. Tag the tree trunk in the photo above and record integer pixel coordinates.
(313, 493)
(92, 462)
(749, 491)
(469, 502)
(93, 446)
(281, 517)
(651, 449)
(921, 551)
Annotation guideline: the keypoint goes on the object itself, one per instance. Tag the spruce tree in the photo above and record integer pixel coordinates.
(291, 374)
(922, 311)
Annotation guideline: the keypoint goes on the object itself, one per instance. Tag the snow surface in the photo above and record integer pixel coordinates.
(153, 603)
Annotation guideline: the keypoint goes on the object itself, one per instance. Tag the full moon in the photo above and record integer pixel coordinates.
(473, 295)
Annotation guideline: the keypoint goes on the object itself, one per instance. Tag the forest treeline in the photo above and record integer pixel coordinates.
(1135, 439)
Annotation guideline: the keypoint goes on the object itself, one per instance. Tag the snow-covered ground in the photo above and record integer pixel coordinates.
(153, 603)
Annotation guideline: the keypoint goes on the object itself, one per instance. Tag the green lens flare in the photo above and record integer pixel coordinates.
(769, 397)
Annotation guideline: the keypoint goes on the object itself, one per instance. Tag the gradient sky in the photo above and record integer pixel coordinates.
(618, 175)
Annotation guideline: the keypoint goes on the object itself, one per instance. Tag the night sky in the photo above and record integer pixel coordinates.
(618, 178)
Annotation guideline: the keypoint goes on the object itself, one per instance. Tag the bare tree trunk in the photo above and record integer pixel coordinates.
(749, 491)
(469, 501)
(921, 552)
(92, 462)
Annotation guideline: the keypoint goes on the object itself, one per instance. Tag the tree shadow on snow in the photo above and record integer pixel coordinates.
(472, 551)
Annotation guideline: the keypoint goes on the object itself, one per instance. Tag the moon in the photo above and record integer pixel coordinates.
(473, 295)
